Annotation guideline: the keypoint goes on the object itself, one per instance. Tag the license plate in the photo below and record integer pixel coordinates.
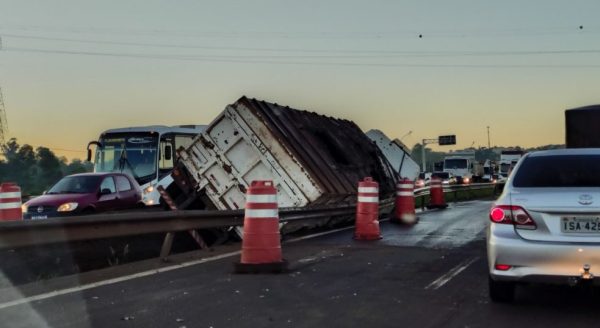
(580, 225)
(39, 217)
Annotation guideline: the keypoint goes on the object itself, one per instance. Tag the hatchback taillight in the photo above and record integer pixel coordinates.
(516, 215)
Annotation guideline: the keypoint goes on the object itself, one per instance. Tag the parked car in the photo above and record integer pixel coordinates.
(84, 194)
(545, 227)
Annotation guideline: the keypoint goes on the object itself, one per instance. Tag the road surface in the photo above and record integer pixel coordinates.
(433, 274)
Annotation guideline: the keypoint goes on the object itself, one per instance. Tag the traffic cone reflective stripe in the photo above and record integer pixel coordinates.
(367, 211)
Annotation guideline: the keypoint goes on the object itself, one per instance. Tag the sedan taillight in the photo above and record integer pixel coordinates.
(516, 215)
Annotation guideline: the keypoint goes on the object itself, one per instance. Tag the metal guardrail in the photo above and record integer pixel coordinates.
(456, 187)
(17, 234)
(68, 229)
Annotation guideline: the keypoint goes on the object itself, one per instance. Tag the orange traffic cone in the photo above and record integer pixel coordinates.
(404, 211)
(436, 194)
(10, 202)
(367, 211)
(261, 245)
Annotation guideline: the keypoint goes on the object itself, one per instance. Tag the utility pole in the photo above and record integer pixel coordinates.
(423, 144)
(3, 122)
(489, 144)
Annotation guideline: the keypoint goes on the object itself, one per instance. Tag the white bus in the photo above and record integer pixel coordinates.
(146, 153)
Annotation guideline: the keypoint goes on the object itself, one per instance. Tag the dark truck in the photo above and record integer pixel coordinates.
(583, 127)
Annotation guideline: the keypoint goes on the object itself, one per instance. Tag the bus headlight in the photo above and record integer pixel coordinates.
(149, 189)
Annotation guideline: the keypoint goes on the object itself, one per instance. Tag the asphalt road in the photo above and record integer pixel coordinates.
(433, 274)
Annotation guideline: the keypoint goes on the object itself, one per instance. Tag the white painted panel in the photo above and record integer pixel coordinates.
(222, 133)
(242, 156)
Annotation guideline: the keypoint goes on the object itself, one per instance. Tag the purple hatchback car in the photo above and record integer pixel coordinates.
(85, 194)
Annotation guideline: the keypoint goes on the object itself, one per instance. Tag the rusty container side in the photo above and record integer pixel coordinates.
(336, 152)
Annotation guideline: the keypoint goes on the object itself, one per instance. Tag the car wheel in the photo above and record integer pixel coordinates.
(501, 291)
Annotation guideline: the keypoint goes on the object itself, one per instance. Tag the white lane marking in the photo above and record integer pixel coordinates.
(441, 281)
(317, 235)
(114, 280)
(150, 272)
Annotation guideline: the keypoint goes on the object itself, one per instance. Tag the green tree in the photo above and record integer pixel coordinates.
(49, 170)
(77, 166)
(35, 171)
(20, 164)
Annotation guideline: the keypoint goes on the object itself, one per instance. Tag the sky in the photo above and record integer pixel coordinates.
(413, 69)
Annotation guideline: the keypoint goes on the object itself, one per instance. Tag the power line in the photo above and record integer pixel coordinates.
(242, 60)
(3, 120)
(391, 53)
(361, 34)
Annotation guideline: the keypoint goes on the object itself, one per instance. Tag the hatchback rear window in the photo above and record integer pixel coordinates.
(559, 171)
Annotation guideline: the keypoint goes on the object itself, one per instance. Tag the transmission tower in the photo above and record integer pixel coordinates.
(3, 122)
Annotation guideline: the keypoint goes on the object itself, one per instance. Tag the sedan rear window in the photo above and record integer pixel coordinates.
(559, 171)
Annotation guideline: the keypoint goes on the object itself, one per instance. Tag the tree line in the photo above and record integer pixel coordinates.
(35, 170)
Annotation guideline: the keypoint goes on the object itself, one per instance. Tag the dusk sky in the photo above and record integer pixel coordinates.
(71, 69)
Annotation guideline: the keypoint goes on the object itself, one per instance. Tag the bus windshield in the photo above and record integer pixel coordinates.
(135, 155)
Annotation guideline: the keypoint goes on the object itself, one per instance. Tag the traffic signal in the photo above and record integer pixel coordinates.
(447, 140)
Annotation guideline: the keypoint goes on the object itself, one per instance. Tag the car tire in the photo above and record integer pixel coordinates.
(501, 291)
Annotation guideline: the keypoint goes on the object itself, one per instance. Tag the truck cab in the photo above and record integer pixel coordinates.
(459, 167)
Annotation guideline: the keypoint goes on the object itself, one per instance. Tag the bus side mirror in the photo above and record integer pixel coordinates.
(168, 152)
(89, 155)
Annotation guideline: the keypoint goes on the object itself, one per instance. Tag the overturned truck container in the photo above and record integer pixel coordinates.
(314, 160)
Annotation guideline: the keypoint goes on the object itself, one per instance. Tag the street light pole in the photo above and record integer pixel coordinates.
(423, 156)
(489, 145)
(409, 133)
(423, 144)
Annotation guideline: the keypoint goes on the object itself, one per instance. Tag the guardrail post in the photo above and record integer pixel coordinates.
(167, 245)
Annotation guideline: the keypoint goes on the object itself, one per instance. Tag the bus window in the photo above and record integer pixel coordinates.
(165, 164)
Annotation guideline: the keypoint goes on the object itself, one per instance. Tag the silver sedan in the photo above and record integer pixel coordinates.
(545, 227)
